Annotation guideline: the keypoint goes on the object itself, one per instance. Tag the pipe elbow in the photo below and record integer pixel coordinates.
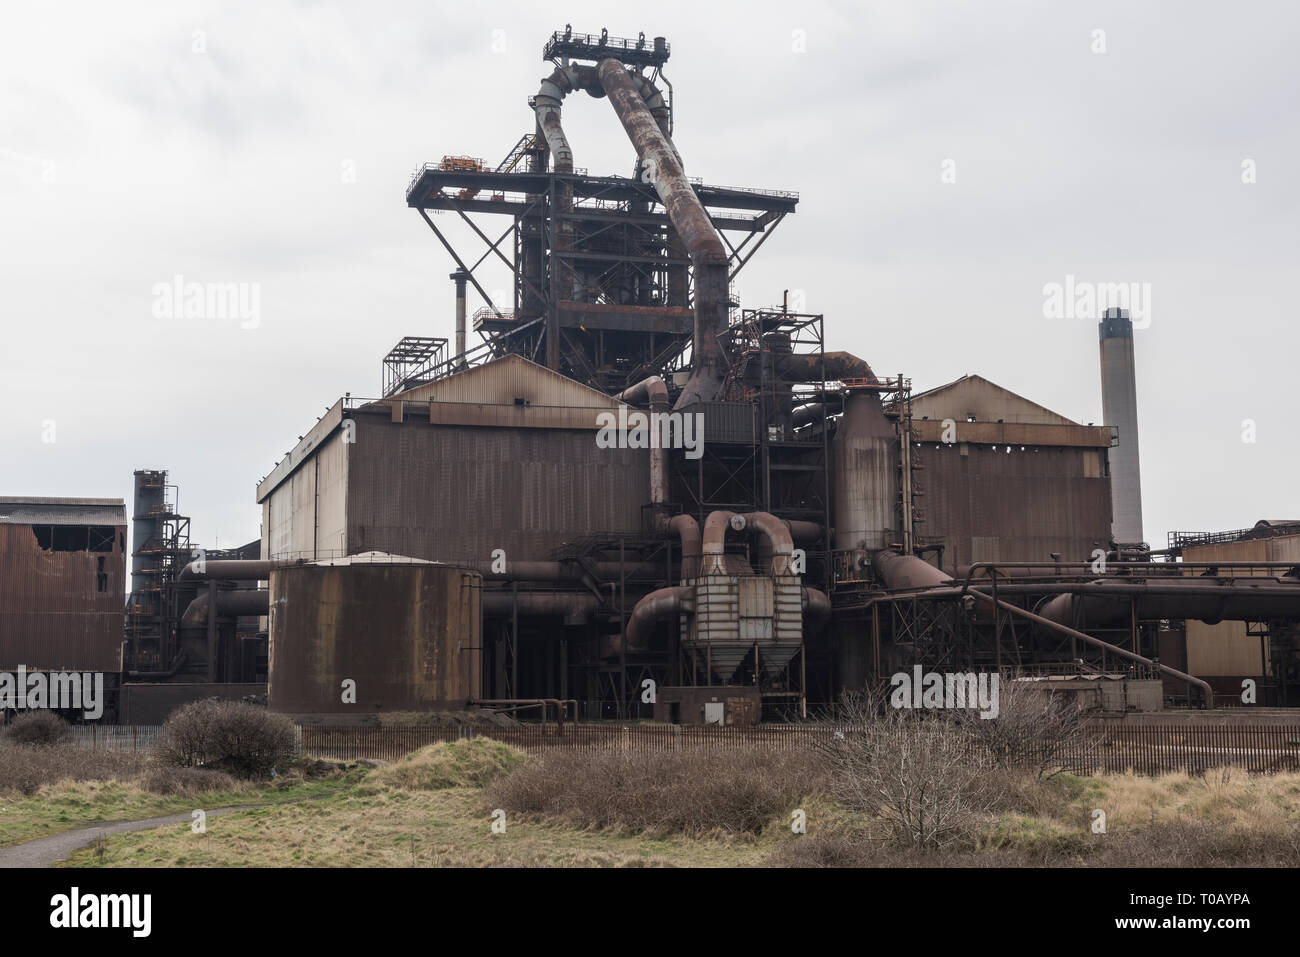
(816, 609)
(653, 608)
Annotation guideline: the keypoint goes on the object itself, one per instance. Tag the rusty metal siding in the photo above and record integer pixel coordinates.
(407, 634)
(53, 613)
(452, 493)
(1020, 506)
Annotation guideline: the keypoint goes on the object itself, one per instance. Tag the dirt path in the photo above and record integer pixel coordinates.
(45, 851)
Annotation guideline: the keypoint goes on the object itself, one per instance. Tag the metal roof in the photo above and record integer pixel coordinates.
(31, 510)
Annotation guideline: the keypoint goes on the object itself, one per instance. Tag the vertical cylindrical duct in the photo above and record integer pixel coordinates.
(150, 494)
(459, 277)
(866, 474)
(1119, 410)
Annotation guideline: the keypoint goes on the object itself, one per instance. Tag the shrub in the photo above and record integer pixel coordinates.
(451, 764)
(186, 782)
(915, 773)
(1034, 728)
(38, 728)
(691, 792)
(241, 739)
(25, 769)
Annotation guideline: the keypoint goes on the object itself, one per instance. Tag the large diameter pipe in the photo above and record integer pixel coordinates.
(240, 602)
(226, 570)
(574, 607)
(816, 609)
(687, 529)
(653, 391)
(663, 166)
(654, 607)
(564, 572)
(1108, 601)
(901, 572)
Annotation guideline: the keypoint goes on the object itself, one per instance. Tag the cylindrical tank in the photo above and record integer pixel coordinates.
(866, 474)
(404, 632)
(1119, 409)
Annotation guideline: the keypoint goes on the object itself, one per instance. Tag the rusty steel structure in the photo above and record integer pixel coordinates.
(62, 577)
(634, 482)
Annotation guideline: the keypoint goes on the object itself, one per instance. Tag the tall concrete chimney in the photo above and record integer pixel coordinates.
(1119, 410)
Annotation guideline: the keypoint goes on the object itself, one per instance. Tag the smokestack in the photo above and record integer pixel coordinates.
(1119, 410)
(460, 278)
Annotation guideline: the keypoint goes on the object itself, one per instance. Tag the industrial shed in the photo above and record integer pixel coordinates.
(62, 583)
(1018, 482)
(502, 455)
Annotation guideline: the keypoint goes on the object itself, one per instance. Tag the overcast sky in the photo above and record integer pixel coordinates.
(271, 144)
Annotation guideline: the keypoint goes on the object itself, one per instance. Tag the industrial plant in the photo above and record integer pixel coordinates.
(633, 496)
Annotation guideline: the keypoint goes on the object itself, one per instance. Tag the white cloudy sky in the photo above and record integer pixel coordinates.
(127, 158)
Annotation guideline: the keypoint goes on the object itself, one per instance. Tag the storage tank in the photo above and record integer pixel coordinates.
(406, 631)
(866, 474)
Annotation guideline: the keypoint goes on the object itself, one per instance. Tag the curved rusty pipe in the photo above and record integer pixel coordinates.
(546, 106)
(663, 166)
(715, 540)
(816, 609)
(688, 530)
(654, 607)
(778, 535)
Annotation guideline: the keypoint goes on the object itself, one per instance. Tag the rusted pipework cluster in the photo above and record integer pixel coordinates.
(705, 554)
(911, 574)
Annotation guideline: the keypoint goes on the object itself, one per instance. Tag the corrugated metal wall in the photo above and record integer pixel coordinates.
(305, 516)
(454, 493)
(1019, 506)
(55, 613)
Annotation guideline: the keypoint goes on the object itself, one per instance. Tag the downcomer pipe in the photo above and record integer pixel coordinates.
(663, 167)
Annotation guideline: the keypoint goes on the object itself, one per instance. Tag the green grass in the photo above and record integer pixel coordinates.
(446, 827)
(70, 805)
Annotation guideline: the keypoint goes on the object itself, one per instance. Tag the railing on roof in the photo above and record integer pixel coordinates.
(589, 46)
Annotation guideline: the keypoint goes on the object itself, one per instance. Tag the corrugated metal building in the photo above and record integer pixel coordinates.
(1007, 479)
(62, 583)
(502, 455)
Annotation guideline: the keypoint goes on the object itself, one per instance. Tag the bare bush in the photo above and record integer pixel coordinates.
(241, 739)
(914, 772)
(1034, 728)
(38, 728)
(692, 792)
